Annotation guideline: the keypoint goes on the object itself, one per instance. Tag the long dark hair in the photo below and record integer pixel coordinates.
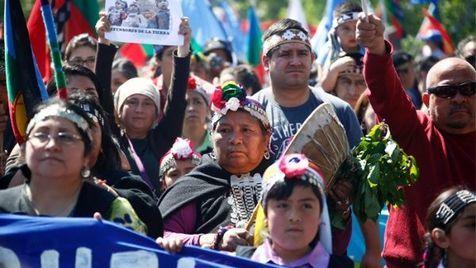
(108, 158)
(433, 253)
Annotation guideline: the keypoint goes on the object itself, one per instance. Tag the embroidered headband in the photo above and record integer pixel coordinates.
(55, 110)
(452, 205)
(289, 36)
(182, 149)
(231, 97)
(343, 18)
(92, 112)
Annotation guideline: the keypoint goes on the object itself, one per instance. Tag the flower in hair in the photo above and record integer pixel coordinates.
(294, 165)
(217, 99)
(230, 96)
(232, 104)
(192, 83)
(182, 149)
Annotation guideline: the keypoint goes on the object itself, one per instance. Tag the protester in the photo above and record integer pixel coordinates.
(122, 70)
(424, 66)
(442, 140)
(350, 82)
(57, 153)
(197, 117)
(289, 101)
(404, 65)
(178, 162)
(341, 41)
(225, 188)
(451, 238)
(244, 75)
(81, 50)
(145, 137)
(219, 56)
(467, 49)
(297, 218)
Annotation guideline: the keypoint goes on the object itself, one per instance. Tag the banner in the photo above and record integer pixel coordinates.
(83, 242)
(146, 22)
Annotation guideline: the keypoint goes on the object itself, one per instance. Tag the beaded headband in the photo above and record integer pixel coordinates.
(451, 206)
(289, 36)
(55, 110)
(231, 97)
(182, 149)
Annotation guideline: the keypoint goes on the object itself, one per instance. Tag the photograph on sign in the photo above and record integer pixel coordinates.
(144, 21)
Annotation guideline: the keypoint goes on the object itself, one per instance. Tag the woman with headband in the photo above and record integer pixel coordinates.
(57, 153)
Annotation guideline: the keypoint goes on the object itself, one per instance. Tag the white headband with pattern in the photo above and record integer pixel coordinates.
(289, 36)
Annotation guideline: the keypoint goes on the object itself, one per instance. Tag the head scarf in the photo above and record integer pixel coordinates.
(231, 97)
(137, 85)
(182, 149)
(298, 167)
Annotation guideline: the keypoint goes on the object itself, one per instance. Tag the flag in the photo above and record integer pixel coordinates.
(432, 27)
(255, 44)
(231, 24)
(72, 17)
(296, 12)
(392, 13)
(138, 54)
(24, 85)
(203, 21)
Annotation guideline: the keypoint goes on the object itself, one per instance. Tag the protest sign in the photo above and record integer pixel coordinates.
(144, 21)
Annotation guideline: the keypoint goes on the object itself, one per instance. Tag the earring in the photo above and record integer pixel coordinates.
(85, 173)
(267, 155)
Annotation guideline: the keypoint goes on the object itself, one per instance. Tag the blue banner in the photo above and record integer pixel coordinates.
(82, 242)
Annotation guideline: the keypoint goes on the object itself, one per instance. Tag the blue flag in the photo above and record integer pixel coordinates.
(203, 21)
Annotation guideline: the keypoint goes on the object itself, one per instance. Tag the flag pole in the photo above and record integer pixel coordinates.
(54, 48)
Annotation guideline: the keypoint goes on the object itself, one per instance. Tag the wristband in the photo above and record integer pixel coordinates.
(219, 237)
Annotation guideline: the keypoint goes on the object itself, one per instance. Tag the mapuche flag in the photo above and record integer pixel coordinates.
(24, 84)
(72, 17)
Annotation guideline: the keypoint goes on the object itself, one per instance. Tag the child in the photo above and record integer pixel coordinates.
(341, 41)
(177, 162)
(294, 203)
(451, 237)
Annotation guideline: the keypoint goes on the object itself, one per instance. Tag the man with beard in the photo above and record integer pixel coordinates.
(288, 57)
(442, 140)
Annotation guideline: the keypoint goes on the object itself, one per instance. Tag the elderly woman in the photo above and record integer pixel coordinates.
(146, 135)
(57, 154)
(197, 116)
(225, 188)
(178, 161)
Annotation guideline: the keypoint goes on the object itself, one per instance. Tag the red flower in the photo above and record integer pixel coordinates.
(217, 98)
(192, 84)
(293, 165)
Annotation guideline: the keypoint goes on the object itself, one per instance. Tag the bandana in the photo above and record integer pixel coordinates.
(289, 36)
(297, 167)
(182, 149)
(350, 16)
(451, 206)
(231, 97)
(56, 110)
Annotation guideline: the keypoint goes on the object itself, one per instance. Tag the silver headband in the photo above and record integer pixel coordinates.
(452, 205)
(56, 110)
(350, 16)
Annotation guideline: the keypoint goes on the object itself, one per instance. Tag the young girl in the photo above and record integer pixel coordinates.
(451, 237)
(294, 203)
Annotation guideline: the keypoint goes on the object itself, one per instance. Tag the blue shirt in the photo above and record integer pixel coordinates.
(286, 121)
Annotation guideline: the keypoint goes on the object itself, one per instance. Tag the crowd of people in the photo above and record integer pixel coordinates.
(185, 149)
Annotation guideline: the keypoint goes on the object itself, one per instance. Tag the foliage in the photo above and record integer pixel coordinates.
(379, 171)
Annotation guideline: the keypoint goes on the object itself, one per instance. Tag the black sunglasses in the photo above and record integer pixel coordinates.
(448, 92)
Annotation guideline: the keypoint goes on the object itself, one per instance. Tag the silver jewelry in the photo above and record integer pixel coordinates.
(85, 173)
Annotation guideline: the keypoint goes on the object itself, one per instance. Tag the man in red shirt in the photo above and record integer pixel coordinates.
(443, 140)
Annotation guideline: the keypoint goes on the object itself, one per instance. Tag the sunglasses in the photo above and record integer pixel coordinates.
(448, 92)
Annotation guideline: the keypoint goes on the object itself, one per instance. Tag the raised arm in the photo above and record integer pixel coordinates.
(387, 97)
